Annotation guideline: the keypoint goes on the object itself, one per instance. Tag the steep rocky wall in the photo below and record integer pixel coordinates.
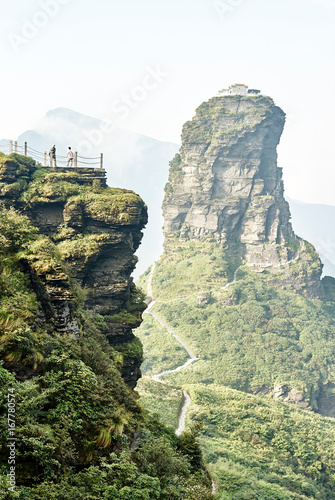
(95, 232)
(225, 186)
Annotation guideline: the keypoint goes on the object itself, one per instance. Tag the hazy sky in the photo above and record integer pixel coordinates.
(148, 64)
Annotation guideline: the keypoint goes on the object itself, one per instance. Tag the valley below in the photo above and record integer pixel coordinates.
(239, 333)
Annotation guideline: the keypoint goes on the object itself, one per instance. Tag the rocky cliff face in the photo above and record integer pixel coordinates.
(228, 237)
(90, 233)
(225, 186)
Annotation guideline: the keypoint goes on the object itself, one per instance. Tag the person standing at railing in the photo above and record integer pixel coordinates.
(70, 157)
(52, 155)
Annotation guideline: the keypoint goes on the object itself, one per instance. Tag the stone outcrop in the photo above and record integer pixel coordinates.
(289, 395)
(203, 298)
(225, 186)
(52, 287)
(95, 234)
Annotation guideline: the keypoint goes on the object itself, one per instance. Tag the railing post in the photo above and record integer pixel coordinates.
(45, 158)
(25, 149)
(10, 147)
(102, 160)
(15, 147)
(75, 159)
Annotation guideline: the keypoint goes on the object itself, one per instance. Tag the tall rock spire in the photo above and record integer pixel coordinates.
(225, 185)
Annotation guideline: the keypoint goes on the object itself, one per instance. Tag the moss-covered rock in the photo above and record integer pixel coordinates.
(83, 235)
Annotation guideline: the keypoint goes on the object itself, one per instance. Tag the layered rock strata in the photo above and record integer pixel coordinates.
(95, 234)
(225, 186)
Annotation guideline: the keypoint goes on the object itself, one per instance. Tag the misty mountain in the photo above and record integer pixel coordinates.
(131, 160)
(141, 163)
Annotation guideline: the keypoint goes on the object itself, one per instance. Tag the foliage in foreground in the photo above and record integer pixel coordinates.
(250, 336)
(262, 449)
(81, 432)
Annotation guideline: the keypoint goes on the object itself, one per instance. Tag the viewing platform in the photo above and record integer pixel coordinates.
(44, 159)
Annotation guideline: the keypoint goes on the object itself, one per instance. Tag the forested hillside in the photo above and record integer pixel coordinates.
(244, 293)
(70, 423)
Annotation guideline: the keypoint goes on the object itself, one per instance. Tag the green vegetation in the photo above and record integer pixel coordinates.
(250, 336)
(111, 205)
(176, 167)
(81, 432)
(49, 188)
(60, 187)
(191, 267)
(165, 352)
(18, 304)
(205, 128)
(260, 449)
(75, 425)
(253, 335)
(82, 246)
(165, 400)
(23, 165)
(132, 349)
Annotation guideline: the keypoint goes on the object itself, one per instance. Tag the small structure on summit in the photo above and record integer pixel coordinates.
(239, 89)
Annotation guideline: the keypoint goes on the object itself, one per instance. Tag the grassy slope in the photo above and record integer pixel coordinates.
(250, 336)
(262, 449)
(80, 430)
(162, 399)
(165, 352)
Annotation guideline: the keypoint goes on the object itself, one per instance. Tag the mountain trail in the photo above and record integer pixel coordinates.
(193, 358)
(183, 413)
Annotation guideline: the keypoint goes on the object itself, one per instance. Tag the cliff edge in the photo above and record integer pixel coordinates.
(235, 282)
(68, 357)
(86, 237)
(225, 186)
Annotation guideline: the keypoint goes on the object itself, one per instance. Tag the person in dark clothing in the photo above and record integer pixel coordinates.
(52, 154)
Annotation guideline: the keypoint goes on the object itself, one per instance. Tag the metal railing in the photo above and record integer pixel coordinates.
(44, 159)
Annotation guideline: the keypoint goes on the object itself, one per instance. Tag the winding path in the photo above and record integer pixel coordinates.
(183, 413)
(234, 278)
(193, 358)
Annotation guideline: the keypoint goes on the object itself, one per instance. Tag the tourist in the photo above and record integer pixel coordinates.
(52, 155)
(70, 157)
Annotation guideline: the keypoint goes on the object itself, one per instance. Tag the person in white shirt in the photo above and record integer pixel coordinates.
(70, 157)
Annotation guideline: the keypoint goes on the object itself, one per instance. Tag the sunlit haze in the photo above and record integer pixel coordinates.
(148, 65)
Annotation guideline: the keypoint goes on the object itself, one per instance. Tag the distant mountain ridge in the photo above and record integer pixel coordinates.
(314, 222)
(132, 161)
(138, 162)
